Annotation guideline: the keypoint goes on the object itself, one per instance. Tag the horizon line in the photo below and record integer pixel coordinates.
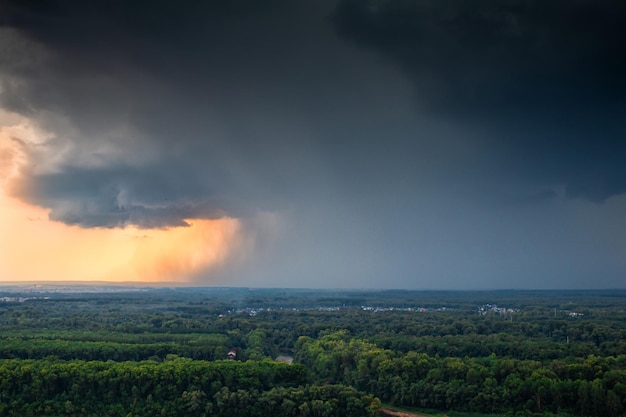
(167, 284)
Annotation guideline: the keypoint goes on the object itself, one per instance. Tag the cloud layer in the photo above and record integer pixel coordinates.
(542, 81)
(362, 143)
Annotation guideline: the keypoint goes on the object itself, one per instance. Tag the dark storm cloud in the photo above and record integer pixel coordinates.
(235, 107)
(393, 143)
(116, 196)
(545, 79)
(199, 91)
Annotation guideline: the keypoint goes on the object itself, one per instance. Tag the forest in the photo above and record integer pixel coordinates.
(116, 351)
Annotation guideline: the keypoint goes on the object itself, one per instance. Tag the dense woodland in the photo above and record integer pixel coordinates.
(164, 352)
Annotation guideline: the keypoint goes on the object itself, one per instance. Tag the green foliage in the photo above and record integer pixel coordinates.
(160, 352)
(176, 387)
(487, 385)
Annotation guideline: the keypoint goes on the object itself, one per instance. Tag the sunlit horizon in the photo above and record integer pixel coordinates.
(34, 248)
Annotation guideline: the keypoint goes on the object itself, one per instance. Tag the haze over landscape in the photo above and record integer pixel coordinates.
(335, 143)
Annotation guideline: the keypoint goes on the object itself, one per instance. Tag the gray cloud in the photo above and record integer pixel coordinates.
(407, 144)
(150, 116)
(543, 80)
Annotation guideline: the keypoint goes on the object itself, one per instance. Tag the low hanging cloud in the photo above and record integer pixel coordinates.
(128, 146)
(34, 248)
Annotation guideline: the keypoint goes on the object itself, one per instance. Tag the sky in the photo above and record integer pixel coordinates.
(333, 143)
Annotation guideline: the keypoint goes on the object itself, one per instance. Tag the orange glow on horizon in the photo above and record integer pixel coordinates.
(33, 248)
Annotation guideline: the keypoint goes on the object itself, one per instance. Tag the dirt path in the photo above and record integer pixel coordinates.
(391, 412)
